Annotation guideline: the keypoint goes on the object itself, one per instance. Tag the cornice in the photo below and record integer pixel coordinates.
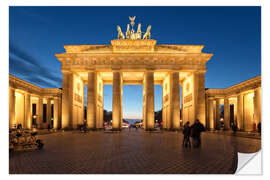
(135, 46)
(130, 59)
(30, 88)
(236, 89)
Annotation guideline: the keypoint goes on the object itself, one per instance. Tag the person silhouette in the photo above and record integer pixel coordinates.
(186, 132)
(196, 130)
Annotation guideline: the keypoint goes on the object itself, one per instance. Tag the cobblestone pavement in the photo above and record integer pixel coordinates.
(135, 152)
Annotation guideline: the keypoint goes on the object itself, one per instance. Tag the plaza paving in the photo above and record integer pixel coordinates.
(135, 152)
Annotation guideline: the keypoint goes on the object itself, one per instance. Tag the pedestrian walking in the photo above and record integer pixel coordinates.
(196, 130)
(259, 127)
(186, 132)
(234, 128)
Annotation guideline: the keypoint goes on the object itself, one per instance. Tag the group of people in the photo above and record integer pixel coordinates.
(132, 126)
(193, 131)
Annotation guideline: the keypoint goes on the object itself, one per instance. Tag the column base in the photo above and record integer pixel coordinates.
(172, 129)
(116, 129)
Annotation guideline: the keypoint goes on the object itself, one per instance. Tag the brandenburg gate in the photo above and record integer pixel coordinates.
(133, 58)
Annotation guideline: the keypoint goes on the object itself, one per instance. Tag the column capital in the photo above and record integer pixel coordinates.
(91, 70)
(149, 69)
(56, 98)
(199, 71)
(27, 94)
(116, 68)
(66, 71)
(12, 88)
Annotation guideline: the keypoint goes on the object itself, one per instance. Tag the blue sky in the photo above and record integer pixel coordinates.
(233, 34)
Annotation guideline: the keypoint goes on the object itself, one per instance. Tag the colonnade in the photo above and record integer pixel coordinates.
(21, 110)
(170, 99)
(94, 119)
(26, 103)
(246, 107)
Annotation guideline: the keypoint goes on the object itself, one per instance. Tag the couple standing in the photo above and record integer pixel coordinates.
(194, 132)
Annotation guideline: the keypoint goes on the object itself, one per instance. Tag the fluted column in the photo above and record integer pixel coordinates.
(40, 113)
(257, 105)
(226, 113)
(149, 100)
(175, 100)
(27, 108)
(240, 111)
(235, 112)
(116, 101)
(199, 96)
(67, 100)
(49, 113)
(12, 107)
(211, 114)
(55, 113)
(91, 99)
(182, 107)
(217, 114)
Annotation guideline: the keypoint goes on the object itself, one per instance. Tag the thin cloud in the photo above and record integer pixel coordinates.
(27, 67)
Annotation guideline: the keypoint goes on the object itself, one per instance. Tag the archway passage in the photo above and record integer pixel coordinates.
(132, 104)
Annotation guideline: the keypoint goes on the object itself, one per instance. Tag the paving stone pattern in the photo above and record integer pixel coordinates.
(135, 152)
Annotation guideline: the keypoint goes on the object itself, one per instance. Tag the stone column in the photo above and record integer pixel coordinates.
(175, 100)
(67, 100)
(144, 115)
(257, 105)
(49, 113)
(40, 113)
(165, 102)
(235, 112)
(240, 111)
(116, 101)
(211, 114)
(27, 108)
(149, 100)
(199, 96)
(182, 107)
(226, 114)
(92, 100)
(55, 113)
(217, 114)
(83, 103)
(12, 107)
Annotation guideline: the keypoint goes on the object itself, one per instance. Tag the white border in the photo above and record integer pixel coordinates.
(136, 2)
(4, 69)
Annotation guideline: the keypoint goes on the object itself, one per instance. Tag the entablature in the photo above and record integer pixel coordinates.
(133, 46)
(30, 88)
(244, 86)
(134, 61)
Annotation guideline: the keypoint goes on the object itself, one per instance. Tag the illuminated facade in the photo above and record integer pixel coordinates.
(30, 105)
(128, 61)
(241, 104)
(133, 59)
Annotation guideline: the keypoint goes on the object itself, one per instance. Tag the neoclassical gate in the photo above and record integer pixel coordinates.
(133, 60)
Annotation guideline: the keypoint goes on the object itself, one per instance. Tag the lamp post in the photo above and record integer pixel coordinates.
(34, 123)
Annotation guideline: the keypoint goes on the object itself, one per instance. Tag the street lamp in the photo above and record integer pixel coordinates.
(34, 124)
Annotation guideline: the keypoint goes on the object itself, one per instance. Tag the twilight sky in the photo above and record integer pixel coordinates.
(233, 34)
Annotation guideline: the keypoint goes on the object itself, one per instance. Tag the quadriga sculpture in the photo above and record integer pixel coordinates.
(120, 34)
